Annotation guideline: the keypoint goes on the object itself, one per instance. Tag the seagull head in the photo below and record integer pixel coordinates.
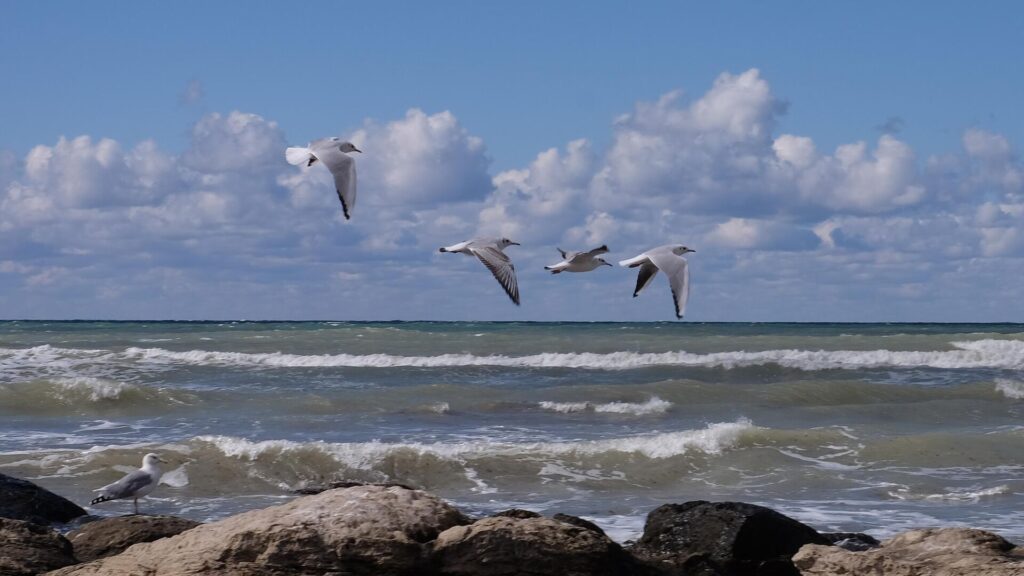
(506, 242)
(349, 147)
(603, 262)
(152, 459)
(680, 249)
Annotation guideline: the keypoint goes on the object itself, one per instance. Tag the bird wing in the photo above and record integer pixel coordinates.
(501, 267)
(602, 249)
(126, 487)
(647, 272)
(343, 167)
(562, 252)
(678, 272)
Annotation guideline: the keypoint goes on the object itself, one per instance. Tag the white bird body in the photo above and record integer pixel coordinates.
(135, 484)
(332, 152)
(669, 259)
(490, 252)
(579, 261)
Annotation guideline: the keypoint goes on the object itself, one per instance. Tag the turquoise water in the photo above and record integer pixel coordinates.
(868, 427)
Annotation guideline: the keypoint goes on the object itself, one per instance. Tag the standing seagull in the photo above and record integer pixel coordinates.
(332, 152)
(669, 259)
(579, 261)
(135, 484)
(489, 251)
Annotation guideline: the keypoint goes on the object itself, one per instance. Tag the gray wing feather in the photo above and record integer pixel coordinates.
(501, 267)
(647, 273)
(343, 168)
(602, 249)
(126, 487)
(678, 272)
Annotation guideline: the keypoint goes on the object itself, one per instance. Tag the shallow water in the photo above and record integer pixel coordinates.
(866, 427)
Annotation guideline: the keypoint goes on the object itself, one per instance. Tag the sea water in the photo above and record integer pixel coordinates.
(848, 427)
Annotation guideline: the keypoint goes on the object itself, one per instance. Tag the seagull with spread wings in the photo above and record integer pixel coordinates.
(490, 251)
(579, 261)
(332, 153)
(669, 259)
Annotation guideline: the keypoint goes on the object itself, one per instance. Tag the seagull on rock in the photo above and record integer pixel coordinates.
(490, 252)
(579, 261)
(333, 153)
(135, 484)
(669, 259)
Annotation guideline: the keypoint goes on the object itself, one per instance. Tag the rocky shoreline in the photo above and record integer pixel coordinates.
(356, 529)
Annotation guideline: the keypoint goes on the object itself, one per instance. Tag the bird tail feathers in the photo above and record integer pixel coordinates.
(99, 499)
(298, 156)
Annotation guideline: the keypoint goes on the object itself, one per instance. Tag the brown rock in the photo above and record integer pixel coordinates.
(504, 545)
(111, 536)
(351, 531)
(27, 548)
(931, 552)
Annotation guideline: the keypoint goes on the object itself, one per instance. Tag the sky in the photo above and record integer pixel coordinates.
(828, 161)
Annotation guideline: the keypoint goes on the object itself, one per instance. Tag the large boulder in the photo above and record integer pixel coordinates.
(27, 548)
(932, 552)
(23, 500)
(537, 546)
(353, 531)
(111, 536)
(722, 538)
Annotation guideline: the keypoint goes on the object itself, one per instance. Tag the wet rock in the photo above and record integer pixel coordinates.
(932, 552)
(111, 536)
(516, 513)
(318, 488)
(537, 546)
(577, 521)
(852, 541)
(353, 531)
(722, 538)
(27, 548)
(23, 500)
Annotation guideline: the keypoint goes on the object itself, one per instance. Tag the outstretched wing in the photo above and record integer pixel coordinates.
(343, 167)
(678, 272)
(647, 272)
(501, 267)
(602, 249)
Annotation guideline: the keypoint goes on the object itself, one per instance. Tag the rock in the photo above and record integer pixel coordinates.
(516, 513)
(852, 541)
(722, 538)
(577, 521)
(27, 548)
(353, 531)
(23, 500)
(932, 552)
(318, 488)
(111, 536)
(506, 545)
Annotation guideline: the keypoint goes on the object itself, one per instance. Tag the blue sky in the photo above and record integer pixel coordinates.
(829, 161)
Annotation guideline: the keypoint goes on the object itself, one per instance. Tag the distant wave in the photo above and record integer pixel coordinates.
(654, 405)
(989, 353)
(1012, 389)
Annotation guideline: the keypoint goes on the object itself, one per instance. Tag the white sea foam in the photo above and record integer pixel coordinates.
(987, 353)
(654, 405)
(1012, 389)
(94, 389)
(962, 495)
(713, 439)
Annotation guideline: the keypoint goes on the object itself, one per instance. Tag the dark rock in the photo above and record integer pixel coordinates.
(23, 500)
(516, 513)
(722, 538)
(852, 541)
(27, 548)
(111, 536)
(577, 521)
(535, 546)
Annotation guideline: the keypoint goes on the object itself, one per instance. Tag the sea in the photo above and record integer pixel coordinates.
(876, 428)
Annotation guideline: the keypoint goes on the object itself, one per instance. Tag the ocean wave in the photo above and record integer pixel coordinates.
(654, 405)
(954, 495)
(1012, 389)
(83, 394)
(986, 353)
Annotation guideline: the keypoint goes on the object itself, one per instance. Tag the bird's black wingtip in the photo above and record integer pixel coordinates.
(442, 250)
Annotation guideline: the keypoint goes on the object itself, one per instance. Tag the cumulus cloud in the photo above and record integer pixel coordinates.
(227, 228)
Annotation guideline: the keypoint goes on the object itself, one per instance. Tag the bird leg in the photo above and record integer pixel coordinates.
(136, 505)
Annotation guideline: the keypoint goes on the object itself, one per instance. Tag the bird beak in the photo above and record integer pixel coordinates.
(606, 263)
(514, 243)
(691, 250)
(357, 150)
(161, 460)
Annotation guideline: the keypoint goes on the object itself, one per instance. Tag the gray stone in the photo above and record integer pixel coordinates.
(111, 536)
(27, 548)
(23, 500)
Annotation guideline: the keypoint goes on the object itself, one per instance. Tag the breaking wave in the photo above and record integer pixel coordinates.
(654, 405)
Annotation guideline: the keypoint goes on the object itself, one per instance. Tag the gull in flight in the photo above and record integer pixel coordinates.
(669, 259)
(490, 252)
(135, 484)
(333, 153)
(579, 261)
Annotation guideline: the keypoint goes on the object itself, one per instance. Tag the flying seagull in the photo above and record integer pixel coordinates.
(579, 261)
(490, 252)
(333, 153)
(669, 259)
(135, 484)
